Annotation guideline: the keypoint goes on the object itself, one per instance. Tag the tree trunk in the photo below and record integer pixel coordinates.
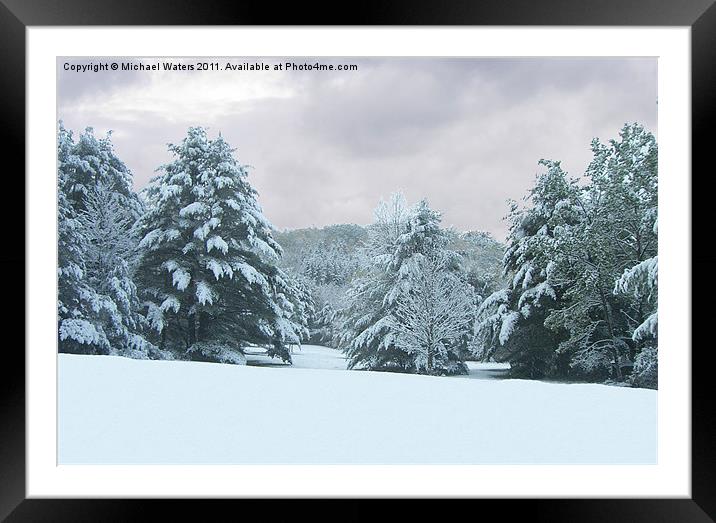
(163, 338)
(201, 333)
(610, 326)
(191, 330)
(197, 324)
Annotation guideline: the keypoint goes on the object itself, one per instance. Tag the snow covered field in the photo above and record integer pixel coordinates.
(118, 410)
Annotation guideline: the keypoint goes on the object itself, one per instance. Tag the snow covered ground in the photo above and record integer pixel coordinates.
(307, 357)
(118, 410)
(319, 357)
(486, 371)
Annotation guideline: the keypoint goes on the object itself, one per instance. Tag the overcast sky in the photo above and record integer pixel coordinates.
(326, 146)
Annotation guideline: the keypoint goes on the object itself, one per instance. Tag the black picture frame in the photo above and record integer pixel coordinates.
(16, 15)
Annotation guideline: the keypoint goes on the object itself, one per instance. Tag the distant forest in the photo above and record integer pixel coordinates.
(330, 259)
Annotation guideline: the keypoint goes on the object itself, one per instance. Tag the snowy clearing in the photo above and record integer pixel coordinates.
(307, 357)
(320, 357)
(119, 410)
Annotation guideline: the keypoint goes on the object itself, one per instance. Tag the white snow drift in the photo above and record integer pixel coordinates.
(119, 410)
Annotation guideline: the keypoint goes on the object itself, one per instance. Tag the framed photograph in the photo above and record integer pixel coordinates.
(273, 256)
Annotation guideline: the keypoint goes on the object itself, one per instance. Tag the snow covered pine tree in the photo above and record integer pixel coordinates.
(367, 327)
(397, 317)
(208, 267)
(510, 322)
(97, 305)
(615, 231)
(77, 333)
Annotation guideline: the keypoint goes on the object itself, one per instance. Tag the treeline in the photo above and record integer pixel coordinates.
(325, 261)
(191, 269)
(354, 272)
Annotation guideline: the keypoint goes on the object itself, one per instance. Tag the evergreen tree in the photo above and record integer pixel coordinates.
(510, 322)
(301, 304)
(481, 260)
(209, 261)
(367, 326)
(322, 327)
(91, 162)
(76, 331)
(96, 211)
(641, 283)
(110, 245)
(374, 334)
(615, 232)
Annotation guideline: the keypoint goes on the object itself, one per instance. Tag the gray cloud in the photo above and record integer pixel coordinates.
(325, 146)
(72, 85)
